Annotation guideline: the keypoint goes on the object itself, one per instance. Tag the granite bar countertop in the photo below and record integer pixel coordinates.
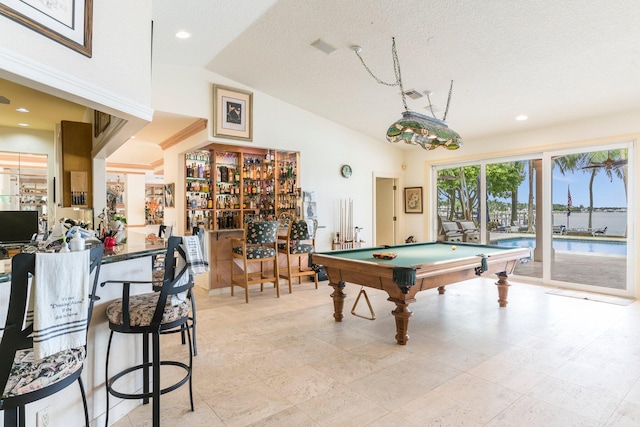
(136, 245)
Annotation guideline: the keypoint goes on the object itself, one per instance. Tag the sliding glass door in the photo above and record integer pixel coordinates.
(590, 218)
(570, 207)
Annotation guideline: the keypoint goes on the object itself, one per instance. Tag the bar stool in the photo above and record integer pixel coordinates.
(259, 245)
(23, 378)
(299, 242)
(153, 314)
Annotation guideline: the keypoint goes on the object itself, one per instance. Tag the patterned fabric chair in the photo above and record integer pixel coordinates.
(24, 379)
(155, 314)
(258, 246)
(298, 243)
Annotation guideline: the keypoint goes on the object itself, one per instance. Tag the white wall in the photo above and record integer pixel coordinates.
(121, 61)
(324, 146)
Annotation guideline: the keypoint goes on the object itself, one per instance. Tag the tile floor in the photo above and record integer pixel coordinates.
(544, 360)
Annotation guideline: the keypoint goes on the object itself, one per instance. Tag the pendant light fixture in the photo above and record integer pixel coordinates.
(414, 128)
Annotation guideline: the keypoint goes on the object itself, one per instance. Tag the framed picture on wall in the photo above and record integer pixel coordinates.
(169, 194)
(232, 113)
(69, 22)
(413, 200)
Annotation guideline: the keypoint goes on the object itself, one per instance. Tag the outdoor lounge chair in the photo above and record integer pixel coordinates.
(559, 229)
(470, 233)
(451, 232)
(599, 231)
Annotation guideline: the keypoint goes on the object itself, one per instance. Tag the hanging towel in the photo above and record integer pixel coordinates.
(195, 255)
(60, 298)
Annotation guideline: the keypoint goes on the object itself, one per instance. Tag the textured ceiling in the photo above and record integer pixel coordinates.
(553, 61)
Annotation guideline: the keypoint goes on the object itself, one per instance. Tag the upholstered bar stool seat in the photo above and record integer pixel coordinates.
(142, 308)
(258, 252)
(28, 376)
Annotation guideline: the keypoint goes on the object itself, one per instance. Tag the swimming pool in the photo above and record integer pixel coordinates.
(571, 245)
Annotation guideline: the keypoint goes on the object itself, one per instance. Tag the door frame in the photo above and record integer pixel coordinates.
(396, 203)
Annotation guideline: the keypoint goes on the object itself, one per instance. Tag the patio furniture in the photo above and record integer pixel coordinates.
(470, 233)
(451, 232)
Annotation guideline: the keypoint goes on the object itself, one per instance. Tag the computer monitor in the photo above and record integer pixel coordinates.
(18, 226)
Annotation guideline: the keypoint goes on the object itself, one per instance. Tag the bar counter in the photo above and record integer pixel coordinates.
(135, 246)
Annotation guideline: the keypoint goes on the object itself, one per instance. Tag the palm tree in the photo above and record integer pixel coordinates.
(612, 162)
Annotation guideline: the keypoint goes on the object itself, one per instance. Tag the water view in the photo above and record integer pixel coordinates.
(616, 222)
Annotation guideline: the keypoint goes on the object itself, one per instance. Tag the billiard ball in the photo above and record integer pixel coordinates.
(453, 248)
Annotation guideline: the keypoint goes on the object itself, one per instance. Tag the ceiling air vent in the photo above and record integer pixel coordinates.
(413, 94)
(323, 46)
(4, 100)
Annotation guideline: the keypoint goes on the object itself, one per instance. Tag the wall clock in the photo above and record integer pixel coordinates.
(346, 171)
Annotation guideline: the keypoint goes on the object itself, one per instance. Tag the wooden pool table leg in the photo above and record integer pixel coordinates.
(503, 288)
(338, 300)
(402, 315)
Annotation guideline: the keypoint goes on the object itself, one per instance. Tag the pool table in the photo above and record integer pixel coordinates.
(416, 267)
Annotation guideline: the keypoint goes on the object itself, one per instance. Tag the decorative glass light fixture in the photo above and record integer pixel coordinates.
(414, 128)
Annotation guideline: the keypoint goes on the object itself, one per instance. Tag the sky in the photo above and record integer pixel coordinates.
(605, 192)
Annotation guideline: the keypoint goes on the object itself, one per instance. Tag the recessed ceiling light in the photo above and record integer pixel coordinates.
(522, 117)
(22, 110)
(24, 124)
(183, 35)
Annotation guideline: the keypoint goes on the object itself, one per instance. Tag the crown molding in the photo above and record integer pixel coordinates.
(197, 126)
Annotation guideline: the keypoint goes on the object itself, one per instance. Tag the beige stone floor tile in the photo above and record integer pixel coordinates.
(538, 354)
(486, 398)
(507, 373)
(527, 411)
(627, 415)
(342, 407)
(301, 384)
(248, 404)
(289, 417)
(437, 409)
(388, 387)
(345, 367)
(634, 394)
(572, 397)
(393, 419)
(215, 381)
(614, 380)
(267, 364)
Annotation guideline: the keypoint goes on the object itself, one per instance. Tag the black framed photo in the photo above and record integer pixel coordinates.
(232, 113)
(69, 22)
(413, 200)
